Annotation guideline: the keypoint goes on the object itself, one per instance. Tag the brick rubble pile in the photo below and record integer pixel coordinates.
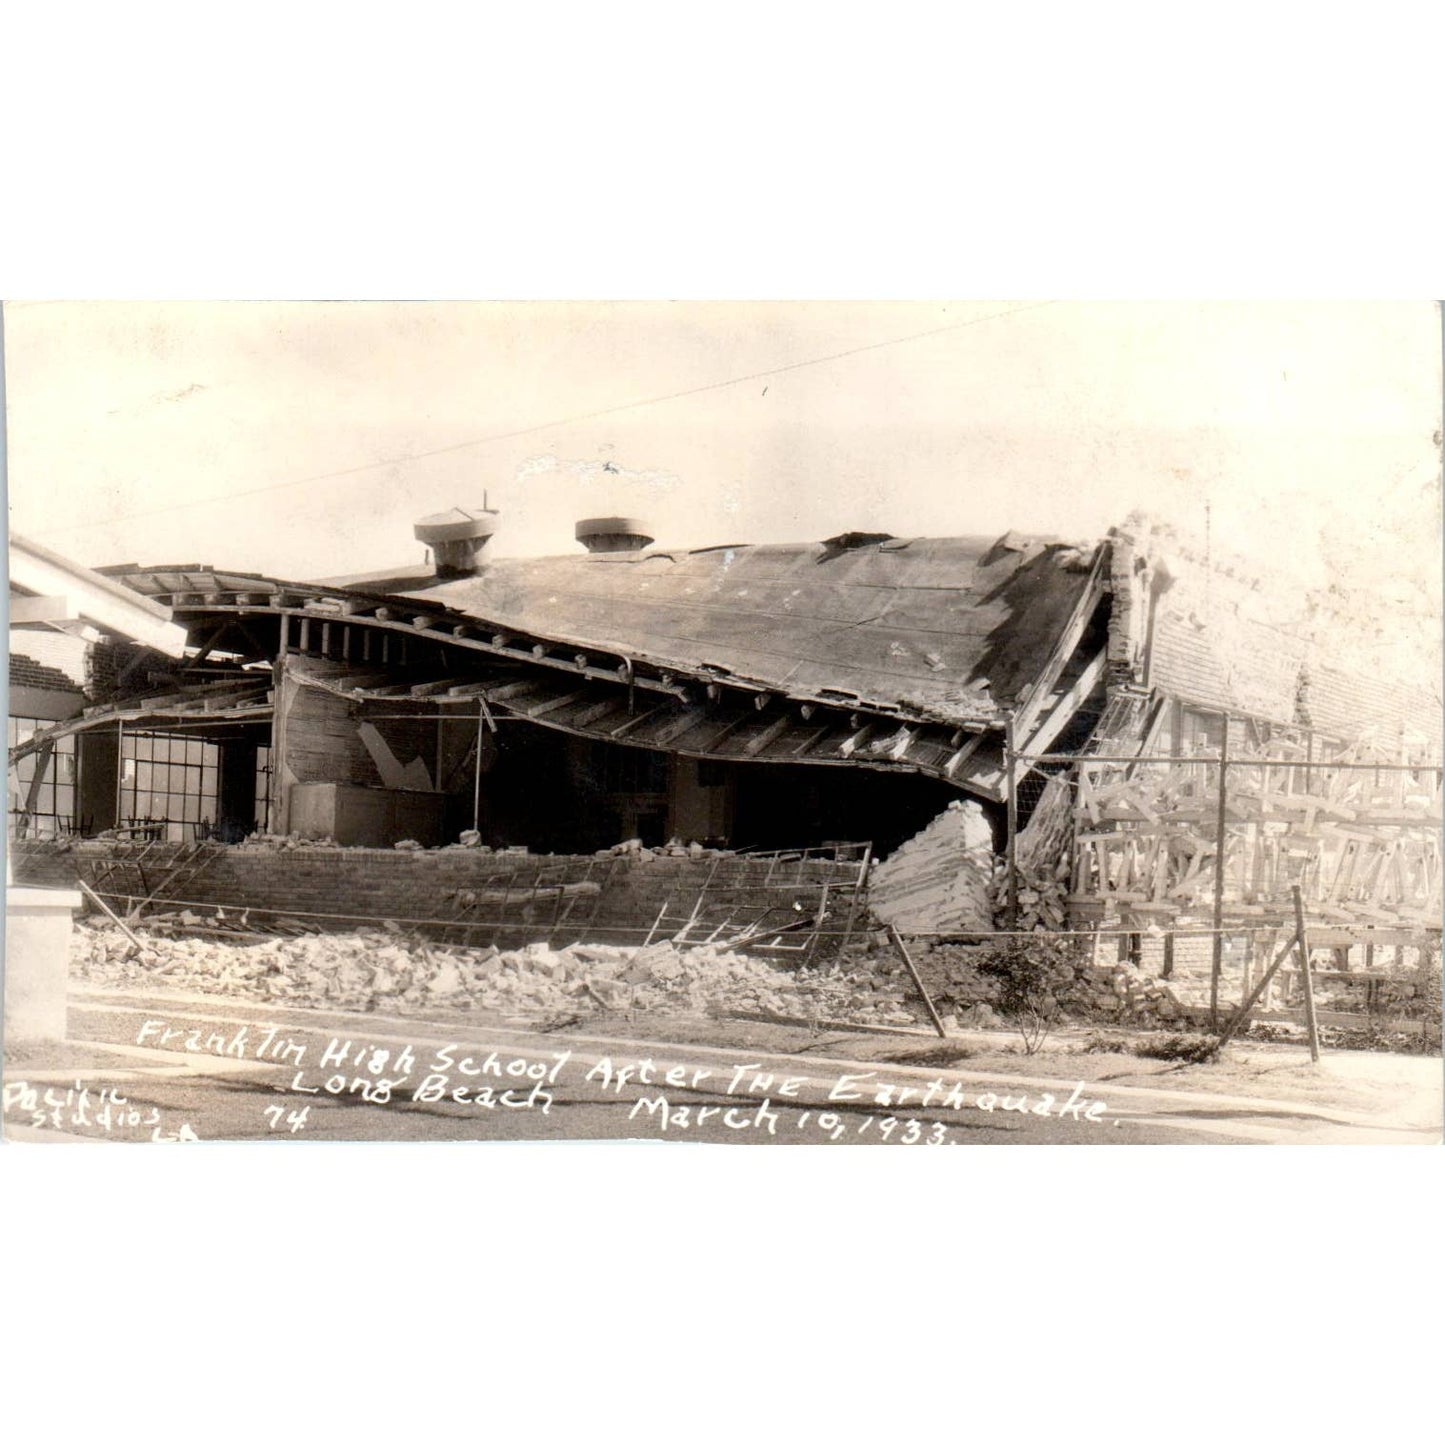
(396, 972)
(1108, 993)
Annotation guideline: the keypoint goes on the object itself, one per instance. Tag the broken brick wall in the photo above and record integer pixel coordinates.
(1232, 635)
(461, 894)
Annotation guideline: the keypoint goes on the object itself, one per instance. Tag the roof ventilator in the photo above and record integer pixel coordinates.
(613, 534)
(456, 538)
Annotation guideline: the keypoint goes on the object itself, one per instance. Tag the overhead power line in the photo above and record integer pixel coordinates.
(541, 426)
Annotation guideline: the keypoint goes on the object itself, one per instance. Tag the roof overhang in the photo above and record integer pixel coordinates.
(52, 592)
(220, 703)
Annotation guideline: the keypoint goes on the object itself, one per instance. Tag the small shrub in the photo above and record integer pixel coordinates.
(1036, 976)
(1180, 1048)
(941, 1058)
(1106, 1044)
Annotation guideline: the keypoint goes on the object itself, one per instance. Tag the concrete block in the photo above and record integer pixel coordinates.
(37, 959)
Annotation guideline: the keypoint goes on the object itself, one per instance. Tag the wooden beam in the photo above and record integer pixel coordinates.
(470, 689)
(511, 690)
(1027, 714)
(809, 739)
(962, 755)
(687, 719)
(1063, 711)
(209, 646)
(42, 765)
(556, 703)
(388, 691)
(902, 743)
(769, 734)
(1221, 843)
(637, 721)
(431, 689)
(917, 981)
(706, 746)
(1312, 1027)
(1011, 842)
(855, 739)
(140, 656)
(105, 908)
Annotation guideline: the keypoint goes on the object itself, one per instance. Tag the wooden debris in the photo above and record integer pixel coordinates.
(1363, 847)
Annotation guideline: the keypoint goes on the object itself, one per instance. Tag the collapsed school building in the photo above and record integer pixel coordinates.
(737, 741)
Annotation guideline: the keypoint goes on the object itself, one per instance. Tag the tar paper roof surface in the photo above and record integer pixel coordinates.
(949, 628)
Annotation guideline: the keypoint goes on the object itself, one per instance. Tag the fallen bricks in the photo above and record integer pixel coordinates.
(397, 971)
(1116, 993)
(402, 973)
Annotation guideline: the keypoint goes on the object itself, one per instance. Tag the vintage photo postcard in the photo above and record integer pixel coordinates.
(848, 723)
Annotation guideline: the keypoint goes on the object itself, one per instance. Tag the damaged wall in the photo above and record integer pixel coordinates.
(469, 895)
(327, 744)
(324, 738)
(1217, 631)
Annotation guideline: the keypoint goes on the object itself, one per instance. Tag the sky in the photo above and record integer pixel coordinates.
(304, 439)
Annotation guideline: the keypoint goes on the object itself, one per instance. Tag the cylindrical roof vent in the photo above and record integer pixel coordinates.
(456, 538)
(613, 534)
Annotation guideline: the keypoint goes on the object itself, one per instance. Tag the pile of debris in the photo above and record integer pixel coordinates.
(959, 978)
(391, 970)
(673, 848)
(1126, 994)
(1044, 863)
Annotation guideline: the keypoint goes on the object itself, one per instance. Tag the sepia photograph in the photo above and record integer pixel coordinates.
(829, 723)
(592, 585)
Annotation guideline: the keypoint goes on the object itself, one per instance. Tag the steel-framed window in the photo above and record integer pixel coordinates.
(169, 778)
(54, 810)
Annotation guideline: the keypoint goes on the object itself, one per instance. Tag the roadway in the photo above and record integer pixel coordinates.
(180, 1066)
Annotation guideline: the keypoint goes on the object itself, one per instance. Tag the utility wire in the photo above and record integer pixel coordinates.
(543, 426)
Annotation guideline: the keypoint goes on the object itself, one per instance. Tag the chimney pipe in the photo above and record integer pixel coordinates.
(456, 538)
(613, 534)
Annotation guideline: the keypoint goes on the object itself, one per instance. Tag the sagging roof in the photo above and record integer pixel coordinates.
(951, 630)
(908, 653)
(731, 730)
(869, 650)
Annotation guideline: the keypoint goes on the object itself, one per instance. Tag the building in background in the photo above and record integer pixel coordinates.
(62, 618)
(767, 697)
